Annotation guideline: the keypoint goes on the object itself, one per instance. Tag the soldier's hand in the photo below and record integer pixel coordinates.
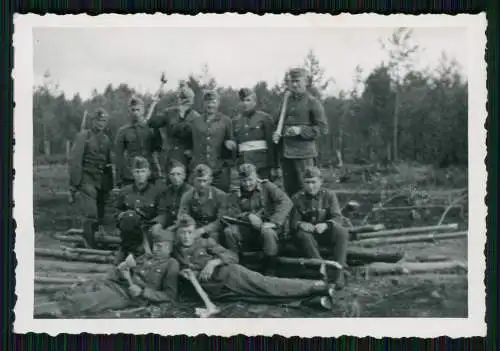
(185, 273)
(255, 220)
(292, 131)
(276, 137)
(230, 144)
(276, 173)
(307, 227)
(268, 225)
(134, 290)
(207, 271)
(321, 227)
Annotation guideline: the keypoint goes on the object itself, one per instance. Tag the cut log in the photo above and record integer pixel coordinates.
(431, 258)
(57, 280)
(70, 275)
(69, 238)
(381, 268)
(367, 228)
(409, 208)
(48, 289)
(88, 251)
(373, 255)
(71, 266)
(308, 261)
(74, 235)
(412, 239)
(73, 256)
(403, 231)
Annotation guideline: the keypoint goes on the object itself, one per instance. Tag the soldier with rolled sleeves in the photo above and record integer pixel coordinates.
(213, 142)
(137, 208)
(304, 123)
(135, 139)
(265, 207)
(253, 133)
(317, 220)
(91, 173)
(204, 203)
(176, 122)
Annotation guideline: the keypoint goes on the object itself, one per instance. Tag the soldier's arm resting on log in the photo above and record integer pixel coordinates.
(282, 204)
(319, 124)
(119, 155)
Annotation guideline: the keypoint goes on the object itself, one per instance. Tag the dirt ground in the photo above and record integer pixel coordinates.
(414, 295)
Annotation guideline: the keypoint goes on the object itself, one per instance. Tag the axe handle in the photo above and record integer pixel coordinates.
(281, 121)
(84, 121)
(204, 296)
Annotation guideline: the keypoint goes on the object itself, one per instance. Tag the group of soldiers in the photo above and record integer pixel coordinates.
(193, 221)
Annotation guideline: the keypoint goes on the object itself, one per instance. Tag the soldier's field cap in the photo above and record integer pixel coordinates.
(312, 172)
(297, 72)
(246, 170)
(202, 171)
(245, 92)
(136, 101)
(177, 165)
(101, 113)
(210, 95)
(140, 162)
(185, 221)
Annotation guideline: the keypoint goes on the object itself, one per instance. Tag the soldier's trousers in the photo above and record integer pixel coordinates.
(335, 238)
(91, 202)
(293, 170)
(237, 282)
(240, 238)
(132, 231)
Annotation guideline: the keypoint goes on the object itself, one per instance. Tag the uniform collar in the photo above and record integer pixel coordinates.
(196, 195)
(146, 187)
(215, 117)
(316, 196)
(258, 188)
(249, 114)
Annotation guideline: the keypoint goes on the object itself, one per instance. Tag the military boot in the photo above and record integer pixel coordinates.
(89, 229)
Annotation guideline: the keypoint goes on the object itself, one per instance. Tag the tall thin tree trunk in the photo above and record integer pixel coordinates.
(68, 149)
(395, 131)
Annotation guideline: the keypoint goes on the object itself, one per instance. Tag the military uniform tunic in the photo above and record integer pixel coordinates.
(205, 209)
(132, 140)
(253, 133)
(268, 202)
(300, 151)
(209, 136)
(170, 201)
(137, 210)
(322, 207)
(179, 136)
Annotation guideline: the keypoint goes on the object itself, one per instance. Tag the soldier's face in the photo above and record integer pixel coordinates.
(312, 185)
(186, 236)
(211, 106)
(298, 84)
(249, 103)
(202, 183)
(249, 183)
(136, 112)
(162, 248)
(100, 123)
(177, 176)
(141, 175)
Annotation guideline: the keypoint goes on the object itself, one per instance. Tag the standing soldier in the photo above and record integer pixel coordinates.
(265, 207)
(91, 173)
(204, 203)
(304, 122)
(253, 133)
(177, 123)
(137, 208)
(135, 139)
(213, 142)
(317, 219)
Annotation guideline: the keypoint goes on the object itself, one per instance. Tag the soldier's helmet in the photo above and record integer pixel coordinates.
(202, 170)
(140, 162)
(312, 172)
(247, 170)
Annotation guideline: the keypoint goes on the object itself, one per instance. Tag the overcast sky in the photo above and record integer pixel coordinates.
(81, 59)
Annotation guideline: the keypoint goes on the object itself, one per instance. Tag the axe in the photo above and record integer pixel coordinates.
(84, 121)
(210, 308)
(279, 129)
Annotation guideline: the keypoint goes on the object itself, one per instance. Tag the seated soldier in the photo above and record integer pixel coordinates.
(316, 219)
(152, 280)
(204, 203)
(137, 205)
(222, 278)
(265, 208)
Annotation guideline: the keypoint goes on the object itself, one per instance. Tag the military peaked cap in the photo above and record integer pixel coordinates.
(140, 162)
(246, 170)
(202, 171)
(101, 113)
(245, 92)
(185, 221)
(176, 164)
(312, 172)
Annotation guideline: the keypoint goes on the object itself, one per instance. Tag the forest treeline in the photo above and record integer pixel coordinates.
(399, 114)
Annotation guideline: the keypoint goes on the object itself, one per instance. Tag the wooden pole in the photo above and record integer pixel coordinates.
(73, 256)
(49, 265)
(403, 231)
(381, 268)
(412, 239)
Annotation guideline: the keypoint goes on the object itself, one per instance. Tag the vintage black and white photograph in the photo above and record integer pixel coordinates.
(319, 175)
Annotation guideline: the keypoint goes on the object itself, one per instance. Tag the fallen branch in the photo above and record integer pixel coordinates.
(73, 256)
(373, 255)
(88, 251)
(402, 231)
(308, 261)
(406, 208)
(367, 228)
(71, 266)
(431, 258)
(58, 280)
(450, 206)
(412, 239)
(381, 268)
(70, 275)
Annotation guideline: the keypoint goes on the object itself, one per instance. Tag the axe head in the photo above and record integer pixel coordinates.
(163, 79)
(130, 261)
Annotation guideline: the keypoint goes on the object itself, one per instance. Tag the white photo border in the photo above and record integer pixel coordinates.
(474, 325)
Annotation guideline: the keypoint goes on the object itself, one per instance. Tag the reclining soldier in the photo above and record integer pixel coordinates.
(265, 208)
(317, 220)
(204, 203)
(91, 174)
(220, 275)
(138, 210)
(152, 280)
